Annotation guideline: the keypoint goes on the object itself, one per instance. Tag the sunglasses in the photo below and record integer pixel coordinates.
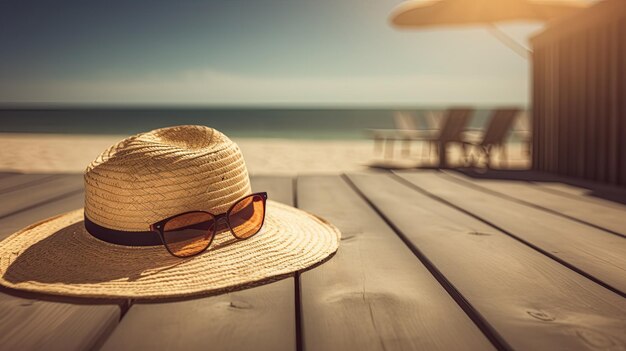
(191, 233)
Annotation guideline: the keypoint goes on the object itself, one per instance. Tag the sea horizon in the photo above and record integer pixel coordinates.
(312, 122)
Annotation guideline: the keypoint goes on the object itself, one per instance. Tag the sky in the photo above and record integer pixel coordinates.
(248, 53)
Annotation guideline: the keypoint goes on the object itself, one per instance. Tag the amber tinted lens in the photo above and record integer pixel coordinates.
(246, 216)
(189, 233)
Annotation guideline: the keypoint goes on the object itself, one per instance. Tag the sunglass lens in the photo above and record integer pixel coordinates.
(246, 216)
(189, 233)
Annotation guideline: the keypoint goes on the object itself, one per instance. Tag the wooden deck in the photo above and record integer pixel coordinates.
(429, 260)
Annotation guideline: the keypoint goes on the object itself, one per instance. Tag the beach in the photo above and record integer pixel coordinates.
(61, 153)
(71, 153)
(274, 141)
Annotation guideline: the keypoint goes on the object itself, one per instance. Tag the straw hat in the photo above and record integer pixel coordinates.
(139, 181)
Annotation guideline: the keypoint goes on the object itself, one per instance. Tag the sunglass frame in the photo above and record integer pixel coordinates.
(160, 225)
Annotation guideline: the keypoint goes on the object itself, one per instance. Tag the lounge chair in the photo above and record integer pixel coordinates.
(494, 136)
(521, 132)
(406, 127)
(452, 123)
(452, 128)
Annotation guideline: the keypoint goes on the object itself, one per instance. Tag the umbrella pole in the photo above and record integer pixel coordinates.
(508, 41)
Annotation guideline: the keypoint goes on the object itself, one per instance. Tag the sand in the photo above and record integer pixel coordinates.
(56, 153)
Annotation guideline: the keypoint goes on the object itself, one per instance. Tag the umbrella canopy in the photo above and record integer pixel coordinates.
(425, 13)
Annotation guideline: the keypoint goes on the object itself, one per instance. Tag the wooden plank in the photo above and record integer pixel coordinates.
(31, 323)
(566, 118)
(583, 75)
(591, 252)
(582, 189)
(622, 111)
(541, 146)
(578, 138)
(622, 107)
(607, 195)
(36, 322)
(374, 294)
(602, 99)
(14, 201)
(591, 105)
(17, 181)
(537, 106)
(563, 116)
(260, 318)
(550, 139)
(566, 189)
(613, 100)
(22, 219)
(607, 216)
(530, 300)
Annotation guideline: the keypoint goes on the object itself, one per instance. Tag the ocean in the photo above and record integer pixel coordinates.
(300, 123)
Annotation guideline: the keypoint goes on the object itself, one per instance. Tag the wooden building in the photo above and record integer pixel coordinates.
(579, 95)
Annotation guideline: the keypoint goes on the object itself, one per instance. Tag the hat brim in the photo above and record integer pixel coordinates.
(58, 256)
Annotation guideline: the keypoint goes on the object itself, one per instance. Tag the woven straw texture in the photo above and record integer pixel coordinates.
(142, 180)
(158, 174)
(58, 256)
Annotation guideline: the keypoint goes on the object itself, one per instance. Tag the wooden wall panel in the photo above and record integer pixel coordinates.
(622, 99)
(579, 95)
(613, 96)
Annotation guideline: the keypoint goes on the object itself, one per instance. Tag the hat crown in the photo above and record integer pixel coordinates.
(150, 176)
(186, 137)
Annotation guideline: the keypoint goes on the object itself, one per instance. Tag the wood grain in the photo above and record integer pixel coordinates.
(583, 193)
(259, 318)
(601, 214)
(33, 324)
(531, 301)
(17, 181)
(374, 294)
(39, 322)
(22, 219)
(586, 191)
(594, 252)
(22, 198)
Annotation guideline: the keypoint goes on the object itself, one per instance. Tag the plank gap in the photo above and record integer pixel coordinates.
(43, 179)
(489, 332)
(37, 204)
(298, 309)
(528, 298)
(527, 243)
(526, 203)
(260, 317)
(374, 294)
